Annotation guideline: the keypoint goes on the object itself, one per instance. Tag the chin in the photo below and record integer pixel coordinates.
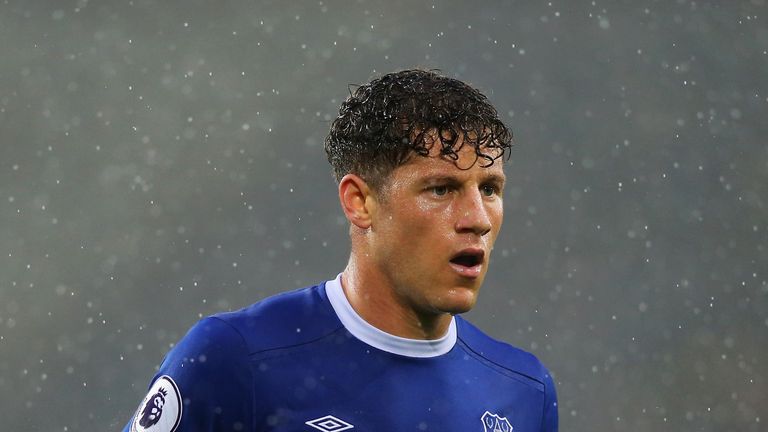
(459, 301)
(458, 310)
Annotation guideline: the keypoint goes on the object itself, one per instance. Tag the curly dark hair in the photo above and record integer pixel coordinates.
(383, 123)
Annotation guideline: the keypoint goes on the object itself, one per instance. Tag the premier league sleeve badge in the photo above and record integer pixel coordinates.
(160, 411)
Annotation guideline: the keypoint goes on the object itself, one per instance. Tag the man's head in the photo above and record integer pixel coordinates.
(417, 156)
(387, 121)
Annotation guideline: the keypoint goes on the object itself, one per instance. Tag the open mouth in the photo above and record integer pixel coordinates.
(468, 258)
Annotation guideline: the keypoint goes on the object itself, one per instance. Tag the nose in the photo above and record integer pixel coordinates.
(473, 215)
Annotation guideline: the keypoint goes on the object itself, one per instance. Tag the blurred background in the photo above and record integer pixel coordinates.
(162, 161)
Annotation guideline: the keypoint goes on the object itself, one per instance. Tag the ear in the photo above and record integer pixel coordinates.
(357, 200)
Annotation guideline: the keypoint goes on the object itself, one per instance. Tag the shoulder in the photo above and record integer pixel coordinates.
(216, 354)
(503, 356)
(287, 319)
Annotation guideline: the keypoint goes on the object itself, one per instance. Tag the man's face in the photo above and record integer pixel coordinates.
(434, 228)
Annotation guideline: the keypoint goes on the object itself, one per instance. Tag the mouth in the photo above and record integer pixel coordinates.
(468, 262)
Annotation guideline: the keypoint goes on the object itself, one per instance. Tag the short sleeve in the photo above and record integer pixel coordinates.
(204, 383)
(550, 420)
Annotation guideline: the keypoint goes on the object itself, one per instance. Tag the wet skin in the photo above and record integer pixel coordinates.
(422, 245)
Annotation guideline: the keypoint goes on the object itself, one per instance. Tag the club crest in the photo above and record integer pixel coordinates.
(495, 423)
(160, 411)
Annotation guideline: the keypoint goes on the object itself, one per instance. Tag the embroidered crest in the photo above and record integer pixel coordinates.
(495, 423)
(160, 411)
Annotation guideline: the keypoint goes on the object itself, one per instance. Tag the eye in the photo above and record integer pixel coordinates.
(440, 190)
(488, 190)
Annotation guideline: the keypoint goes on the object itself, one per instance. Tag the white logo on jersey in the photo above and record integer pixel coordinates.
(329, 423)
(495, 423)
(160, 411)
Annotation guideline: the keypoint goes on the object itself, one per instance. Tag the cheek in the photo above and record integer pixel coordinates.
(422, 205)
(419, 213)
(496, 214)
(437, 214)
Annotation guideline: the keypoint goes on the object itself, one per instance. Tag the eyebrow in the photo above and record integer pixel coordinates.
(496, 178)
(440, 178)
(451, 179)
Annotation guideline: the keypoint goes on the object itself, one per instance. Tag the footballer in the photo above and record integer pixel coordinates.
(418, 158)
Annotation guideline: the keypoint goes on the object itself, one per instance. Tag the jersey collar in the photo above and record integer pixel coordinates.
(384, 341)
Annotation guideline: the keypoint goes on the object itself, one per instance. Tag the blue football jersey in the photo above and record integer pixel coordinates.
(306, 361)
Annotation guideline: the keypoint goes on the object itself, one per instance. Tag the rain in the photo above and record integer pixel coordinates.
(163, 161)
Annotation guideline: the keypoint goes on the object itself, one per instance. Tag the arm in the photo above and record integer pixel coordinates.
(205, 383)
(550, 419)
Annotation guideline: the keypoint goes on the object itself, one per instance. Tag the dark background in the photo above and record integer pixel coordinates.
(161, 161)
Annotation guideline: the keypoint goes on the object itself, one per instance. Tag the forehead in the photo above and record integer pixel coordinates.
(467, 164)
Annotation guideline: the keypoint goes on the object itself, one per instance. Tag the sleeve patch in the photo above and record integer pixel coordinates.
(160, 411)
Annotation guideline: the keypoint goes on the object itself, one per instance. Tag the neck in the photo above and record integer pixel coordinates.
(375, 298)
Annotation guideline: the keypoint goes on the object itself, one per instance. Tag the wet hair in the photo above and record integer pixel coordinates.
(384, 123)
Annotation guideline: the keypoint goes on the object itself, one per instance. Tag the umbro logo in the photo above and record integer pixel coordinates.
(329, 423)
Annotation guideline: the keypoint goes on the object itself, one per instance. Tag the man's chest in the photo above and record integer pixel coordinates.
(390, 394)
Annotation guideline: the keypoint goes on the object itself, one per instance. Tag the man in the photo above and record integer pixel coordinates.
(418, 160)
